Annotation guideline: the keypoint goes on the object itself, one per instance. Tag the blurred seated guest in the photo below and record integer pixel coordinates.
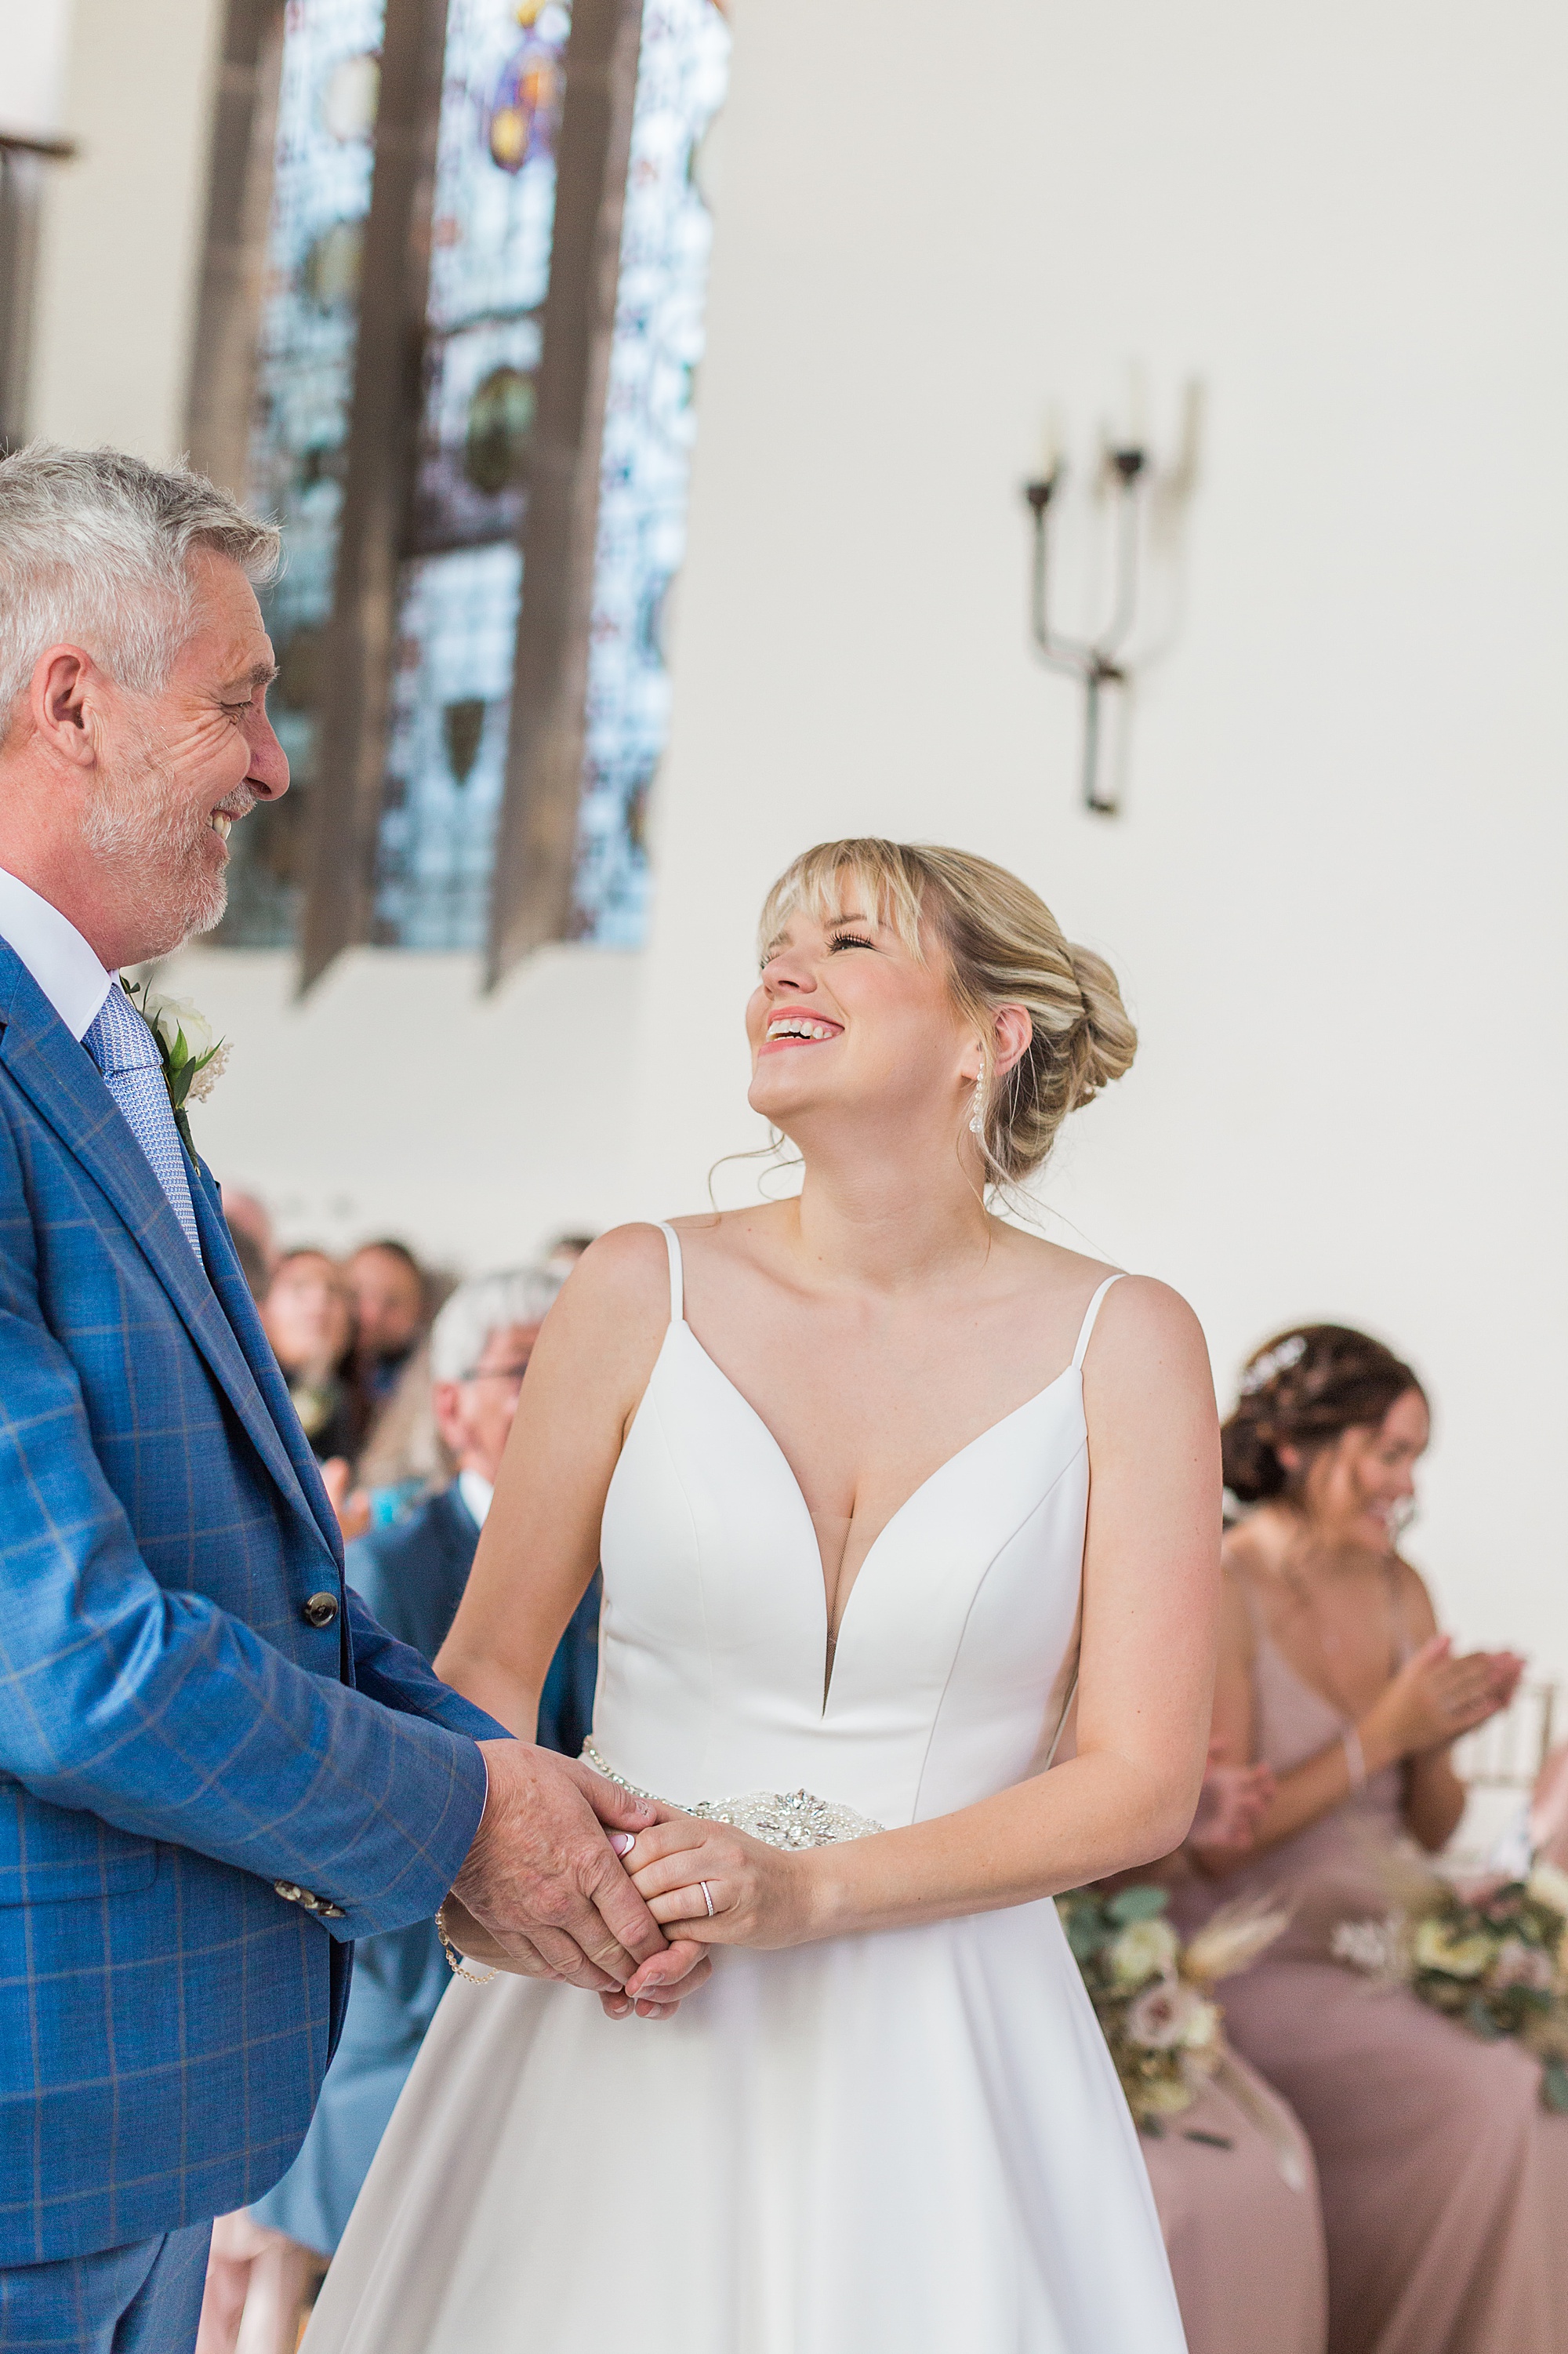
(564, 1254)
(388, 1286)
(413, 1576)
(254, 1264)
(250, 1223)
(1233, 2176)
(1444, 2180)
(309, 1319)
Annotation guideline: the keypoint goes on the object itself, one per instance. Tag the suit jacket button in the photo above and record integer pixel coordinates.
(322, 1609)
(287, 1891)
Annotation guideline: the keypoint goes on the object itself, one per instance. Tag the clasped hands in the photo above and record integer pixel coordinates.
(570, 1877)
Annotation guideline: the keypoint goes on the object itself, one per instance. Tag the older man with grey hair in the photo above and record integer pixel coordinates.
(215, 1769)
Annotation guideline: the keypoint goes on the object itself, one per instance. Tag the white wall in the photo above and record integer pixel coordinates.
(121, 225)
(1333, 897)
(32, 63)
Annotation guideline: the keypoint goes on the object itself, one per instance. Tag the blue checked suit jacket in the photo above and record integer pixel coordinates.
(175, 1736)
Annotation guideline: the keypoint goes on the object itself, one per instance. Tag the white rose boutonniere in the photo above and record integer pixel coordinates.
(193, 1059)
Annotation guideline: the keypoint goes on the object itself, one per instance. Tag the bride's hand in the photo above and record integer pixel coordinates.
(716, 1886)
(662, 1985)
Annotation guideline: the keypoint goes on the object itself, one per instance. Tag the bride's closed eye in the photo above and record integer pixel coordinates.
(849, 940)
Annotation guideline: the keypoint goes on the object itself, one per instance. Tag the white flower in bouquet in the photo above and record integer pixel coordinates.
(1144, 1949)
(1374, 1946)
(1159, 2017)
(1549, 1886)
(1458, 1958)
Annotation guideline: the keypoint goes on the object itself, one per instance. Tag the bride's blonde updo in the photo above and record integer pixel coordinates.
(1004, 947)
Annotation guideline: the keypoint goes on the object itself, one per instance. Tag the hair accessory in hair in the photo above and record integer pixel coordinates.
(1278, 1360)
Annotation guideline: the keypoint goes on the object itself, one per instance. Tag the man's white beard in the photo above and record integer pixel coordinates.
(147, 833)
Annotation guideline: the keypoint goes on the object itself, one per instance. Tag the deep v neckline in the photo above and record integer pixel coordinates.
(831, 1641)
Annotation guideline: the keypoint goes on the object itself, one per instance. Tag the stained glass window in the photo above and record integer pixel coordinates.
(462, 580)
(309, 321)
(496, 199)
(648, 433)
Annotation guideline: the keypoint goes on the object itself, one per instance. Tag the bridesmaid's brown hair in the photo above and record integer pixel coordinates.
(1302, 1389)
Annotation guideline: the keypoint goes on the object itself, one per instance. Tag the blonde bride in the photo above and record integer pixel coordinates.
(878, 1480)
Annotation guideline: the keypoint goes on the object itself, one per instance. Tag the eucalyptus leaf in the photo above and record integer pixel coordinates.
(1554, 2086)
(1140, 1903)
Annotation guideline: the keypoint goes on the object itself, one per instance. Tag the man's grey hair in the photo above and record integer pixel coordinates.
(94, 551)
(486, 1304)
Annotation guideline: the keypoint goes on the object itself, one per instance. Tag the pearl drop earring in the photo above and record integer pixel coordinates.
(976, 1110)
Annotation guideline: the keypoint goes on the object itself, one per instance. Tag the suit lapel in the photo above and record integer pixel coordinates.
(239, 1314)
(62, 1081)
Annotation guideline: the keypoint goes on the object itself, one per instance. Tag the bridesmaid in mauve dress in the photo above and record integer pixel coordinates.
(1445, 2181)
(1233, 2177)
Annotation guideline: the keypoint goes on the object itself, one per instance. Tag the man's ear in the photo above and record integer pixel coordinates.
(446, 1400)
(65, 682)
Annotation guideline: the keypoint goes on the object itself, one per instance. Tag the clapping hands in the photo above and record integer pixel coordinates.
(1436, 1697)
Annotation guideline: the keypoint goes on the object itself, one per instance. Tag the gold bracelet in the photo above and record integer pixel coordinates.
(455, 1962)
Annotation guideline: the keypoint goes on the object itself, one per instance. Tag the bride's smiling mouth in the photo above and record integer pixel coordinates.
(789, 1030)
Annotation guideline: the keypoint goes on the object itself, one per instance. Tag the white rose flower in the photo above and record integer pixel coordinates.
(1145, 1949)
(171, 1016)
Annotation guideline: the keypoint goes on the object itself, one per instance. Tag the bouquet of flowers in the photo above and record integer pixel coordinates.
(1495, 1958)
(1151, 1993)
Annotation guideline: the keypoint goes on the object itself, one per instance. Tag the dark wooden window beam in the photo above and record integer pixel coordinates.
(222, 390)
(531, 899)
(359, 647)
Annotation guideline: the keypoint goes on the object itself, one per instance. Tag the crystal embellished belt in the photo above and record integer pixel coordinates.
(777, 1817)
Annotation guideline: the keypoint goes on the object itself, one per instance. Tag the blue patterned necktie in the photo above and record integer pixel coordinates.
(126, 1053)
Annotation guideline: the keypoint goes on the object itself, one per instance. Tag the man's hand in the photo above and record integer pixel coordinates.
(543, 1879)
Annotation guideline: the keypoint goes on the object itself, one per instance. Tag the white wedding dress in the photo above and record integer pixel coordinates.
(893, 2143)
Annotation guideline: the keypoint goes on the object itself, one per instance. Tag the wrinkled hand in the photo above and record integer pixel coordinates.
(761, 1895)
(542, 1884)
(1435, 1697)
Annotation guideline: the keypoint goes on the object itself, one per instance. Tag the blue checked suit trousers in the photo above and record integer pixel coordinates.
(185, 1750)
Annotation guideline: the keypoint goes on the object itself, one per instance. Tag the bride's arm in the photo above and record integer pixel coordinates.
(1146, 1676)
(540, 1545)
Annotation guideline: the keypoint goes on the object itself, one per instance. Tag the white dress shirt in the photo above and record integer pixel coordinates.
(476, 1492)
(55, 953)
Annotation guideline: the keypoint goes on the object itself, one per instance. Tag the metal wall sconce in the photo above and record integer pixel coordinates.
(1100, 662)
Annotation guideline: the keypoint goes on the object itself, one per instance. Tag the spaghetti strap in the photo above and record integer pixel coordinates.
(677, 1288)
(1090, 1313)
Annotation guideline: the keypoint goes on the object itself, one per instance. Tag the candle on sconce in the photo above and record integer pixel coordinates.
(1134, 429)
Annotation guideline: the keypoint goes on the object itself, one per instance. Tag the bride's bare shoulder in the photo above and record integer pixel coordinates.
(1138, 1307)
(621, 1281)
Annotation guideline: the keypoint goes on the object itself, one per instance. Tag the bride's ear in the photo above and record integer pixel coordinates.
(1011, 1035)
